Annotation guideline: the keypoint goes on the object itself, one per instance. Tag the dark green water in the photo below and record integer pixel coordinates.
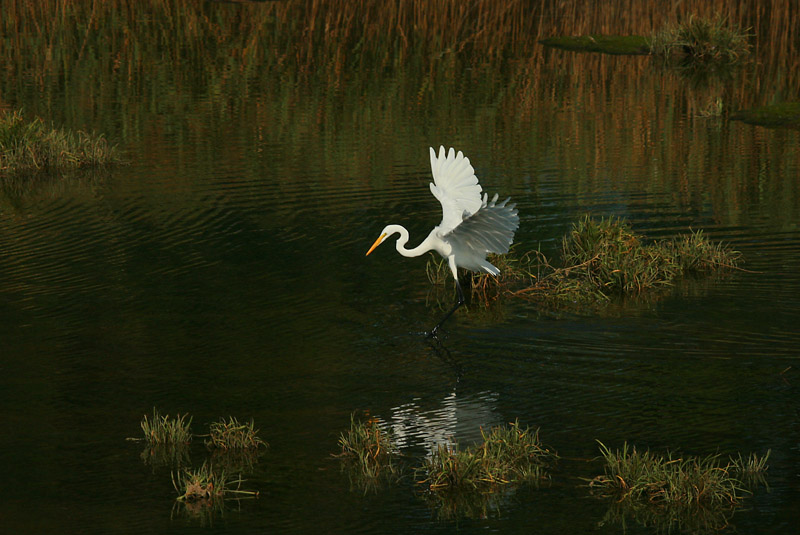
(222, 272)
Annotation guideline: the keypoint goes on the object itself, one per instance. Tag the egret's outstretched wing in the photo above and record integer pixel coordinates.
(489, 230)
(456, 187)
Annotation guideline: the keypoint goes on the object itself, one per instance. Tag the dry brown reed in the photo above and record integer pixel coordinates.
(250, 50)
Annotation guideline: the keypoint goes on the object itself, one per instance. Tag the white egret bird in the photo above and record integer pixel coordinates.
(472, 225)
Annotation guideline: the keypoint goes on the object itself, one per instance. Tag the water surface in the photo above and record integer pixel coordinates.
(222, 272)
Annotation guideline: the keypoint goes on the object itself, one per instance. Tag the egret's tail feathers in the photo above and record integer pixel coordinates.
(489, 268)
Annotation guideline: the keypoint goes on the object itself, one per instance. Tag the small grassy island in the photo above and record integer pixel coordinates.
(601, 259)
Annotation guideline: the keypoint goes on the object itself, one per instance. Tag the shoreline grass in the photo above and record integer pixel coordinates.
(27, 146)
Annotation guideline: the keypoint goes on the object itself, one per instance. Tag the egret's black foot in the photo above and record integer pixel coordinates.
(433, 333)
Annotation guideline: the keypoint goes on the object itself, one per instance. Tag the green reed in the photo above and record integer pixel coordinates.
(206, 484)
(166, 430)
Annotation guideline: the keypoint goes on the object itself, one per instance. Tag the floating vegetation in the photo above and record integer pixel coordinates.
(786, 114)
(600, 259)
(701, 41)
(165, 430)
(606, 44)
(507, 455)
(369, 452)
(231, 435)
(31, 146)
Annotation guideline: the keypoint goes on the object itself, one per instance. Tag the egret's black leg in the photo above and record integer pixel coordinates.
(459, 301)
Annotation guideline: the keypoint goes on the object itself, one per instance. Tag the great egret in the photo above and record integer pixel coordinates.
(471, 226)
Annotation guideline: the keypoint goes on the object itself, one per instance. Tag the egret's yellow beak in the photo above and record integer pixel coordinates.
(377, 243)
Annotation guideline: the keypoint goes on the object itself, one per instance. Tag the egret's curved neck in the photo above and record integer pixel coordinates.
(422, 248)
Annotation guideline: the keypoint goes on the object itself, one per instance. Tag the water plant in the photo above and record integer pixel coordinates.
(207, 487)
(230, 434)
(31, 145)
(701, 40)
(508, 454)
(645, 477)
(165, 430)
(608, 256)
(601, 258)
(369, 448)
(686, 494)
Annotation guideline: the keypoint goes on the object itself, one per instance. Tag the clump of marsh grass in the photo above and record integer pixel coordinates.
(236, 445)
(645, 477)
(701, 41)
(230, 434)
(204, 490)
(31, 146)
(752, 469)
(601, 258)
(605, 257)
(686, 494)
(506, 455)
(368, 450)
(165, 430)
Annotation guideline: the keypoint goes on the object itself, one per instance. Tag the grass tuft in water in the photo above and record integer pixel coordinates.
(751, 470)
(230, 434)
(601, 258)
(207, 486)
(645, 477)
(31, 146)
(507, 455)
(368, 449)
(685, 494)
(701, 41)
(165, 430)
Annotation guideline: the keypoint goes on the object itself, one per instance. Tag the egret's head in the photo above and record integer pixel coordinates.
(384, 234)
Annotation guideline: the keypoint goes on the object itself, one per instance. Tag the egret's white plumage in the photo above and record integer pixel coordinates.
(472, 225)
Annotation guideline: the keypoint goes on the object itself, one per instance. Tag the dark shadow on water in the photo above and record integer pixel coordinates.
(436, 343)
